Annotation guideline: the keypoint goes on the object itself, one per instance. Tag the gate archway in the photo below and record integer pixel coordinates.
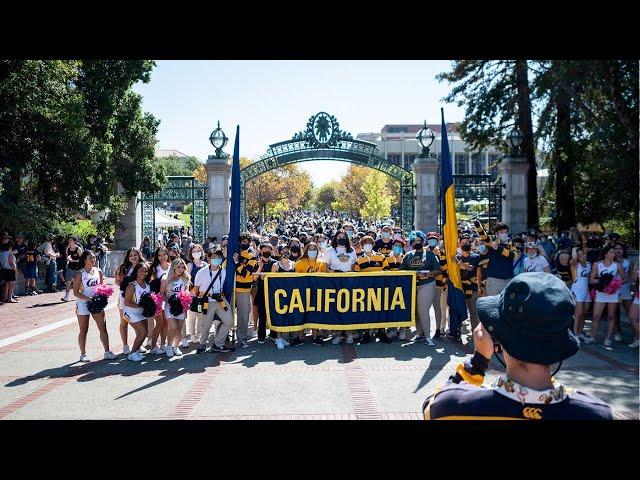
(323, 140)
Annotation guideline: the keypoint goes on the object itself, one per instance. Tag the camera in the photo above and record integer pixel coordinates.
(217, 297)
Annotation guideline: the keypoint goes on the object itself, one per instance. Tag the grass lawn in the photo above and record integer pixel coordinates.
(186, 218)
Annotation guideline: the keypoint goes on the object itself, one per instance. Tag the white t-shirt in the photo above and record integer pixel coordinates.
(536, 264)
(341, 263)
(204, 278)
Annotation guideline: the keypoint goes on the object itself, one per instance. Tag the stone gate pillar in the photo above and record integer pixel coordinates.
(426, 211)
(514, 171)
(131, 234)
(218, 176)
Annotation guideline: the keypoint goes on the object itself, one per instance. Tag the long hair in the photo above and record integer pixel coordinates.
(83, 257)
(186, 278)
(134, 275)
(156, 262)
(306, 249)
(196, 245)
(334, 242)
(126, 264)
(604, 252)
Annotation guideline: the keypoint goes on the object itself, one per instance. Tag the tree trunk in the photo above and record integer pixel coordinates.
(565, 201)
(528, 148)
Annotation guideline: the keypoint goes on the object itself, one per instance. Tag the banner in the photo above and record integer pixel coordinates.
(339, 301)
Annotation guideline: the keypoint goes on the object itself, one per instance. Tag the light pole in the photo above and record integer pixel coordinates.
(425, 138)
(515, 139)
(218, 139)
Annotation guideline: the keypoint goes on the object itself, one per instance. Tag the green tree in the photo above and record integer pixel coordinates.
(178, 166)
(378, 202)
(326, 195)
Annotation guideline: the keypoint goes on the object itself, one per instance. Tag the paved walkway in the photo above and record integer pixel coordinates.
(40, 377)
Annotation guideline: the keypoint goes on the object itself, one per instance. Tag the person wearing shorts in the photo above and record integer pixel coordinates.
(133, 311)
(581, 270)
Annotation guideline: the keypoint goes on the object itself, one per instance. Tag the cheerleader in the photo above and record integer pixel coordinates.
(132, 258)
(609, 266)
(634, 310)
(159, 268)
(626, 297)
(85, 284)
(176, 281)
(194, 320)
(134, 312)
(581, 270)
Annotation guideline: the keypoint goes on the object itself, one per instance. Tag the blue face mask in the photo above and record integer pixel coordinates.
(482, 248)
(432, 243)
(397, 250)
(216, 261)
(312, 254)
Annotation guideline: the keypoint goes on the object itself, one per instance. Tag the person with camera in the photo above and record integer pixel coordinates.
(85, 284)
(502, 256)
(530, 322)
(207, 288)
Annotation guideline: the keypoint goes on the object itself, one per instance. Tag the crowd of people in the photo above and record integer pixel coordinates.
(597, 272)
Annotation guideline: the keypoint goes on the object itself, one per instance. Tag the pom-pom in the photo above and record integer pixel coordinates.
(148, 305)
(185, 299)
(159, 301)
(614, 286)
(175, 306)
(97, 303)
(104, 290)
(605, 281)
(592, 293)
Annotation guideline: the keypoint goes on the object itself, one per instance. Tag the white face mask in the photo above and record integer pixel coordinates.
(322, 244)
(503, 237)
(367, 248)
(197, 255)
(341, 250)
(385, 235)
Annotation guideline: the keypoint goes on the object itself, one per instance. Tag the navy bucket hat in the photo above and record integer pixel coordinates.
(532, 318)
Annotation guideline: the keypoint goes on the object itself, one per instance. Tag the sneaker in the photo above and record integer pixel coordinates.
(338, 339)
(148, 345)
(588, 340)
(84, 358)
(126, 350)
(429, 342)
(280, 343)
(318, 340)
(286, 344)
(350, 338)
(201, 349)
(261, 340)
(402, 335)
(216, 349)
(617, 337)
(65, 298)
(296, 342)
(109, 355)
(418, 338)
(135, 357)
(384, 338)
(184, 343)
(194, 340)
(436, 335)
(142, 350)
(177, 352)
(168, 351)
(581, 337)
(635, 344)
(607, 342)
(366, 338)
(243, 344)
(157, 351)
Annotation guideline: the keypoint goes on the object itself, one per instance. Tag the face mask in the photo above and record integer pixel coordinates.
(244, 246)
(465, 248)
(398, 236)
(322, 244)
(432, 243)
(312, 254)
(196, 255)
(386, 235)
(482, 248)
(216, 261)
(349, 233)
(532, 254)
(295, 249)
(367, 248)
(417, 246)
(504, 237)
(266, 254)
(397, 251)
(286, 254)
(274, 243)
(341, 250)
(342, 241)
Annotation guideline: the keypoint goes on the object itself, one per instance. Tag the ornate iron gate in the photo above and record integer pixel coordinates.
(184, 189)
(479, 188)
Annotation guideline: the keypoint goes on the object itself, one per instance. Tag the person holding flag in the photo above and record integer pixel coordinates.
(455, 294)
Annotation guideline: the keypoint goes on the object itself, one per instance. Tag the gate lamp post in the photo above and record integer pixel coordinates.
(515, 138)
(425, 138)
(218, 139)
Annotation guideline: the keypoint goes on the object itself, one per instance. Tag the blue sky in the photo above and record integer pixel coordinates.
(272, 100)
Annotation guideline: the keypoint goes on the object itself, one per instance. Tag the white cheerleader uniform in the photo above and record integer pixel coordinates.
(636, 300)
(602, 297)
(159, 274)
(121, 296)
(90, 282)
(177, 287)
(134, 315)
(580, 287)
(625, 289)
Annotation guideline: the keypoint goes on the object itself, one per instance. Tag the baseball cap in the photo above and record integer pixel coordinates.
(532, 318)
(432, 235)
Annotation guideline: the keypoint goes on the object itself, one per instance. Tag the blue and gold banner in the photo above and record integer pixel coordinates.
(339, 301)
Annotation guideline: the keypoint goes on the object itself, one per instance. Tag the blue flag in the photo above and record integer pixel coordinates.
(234, 222)
(455, 294)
